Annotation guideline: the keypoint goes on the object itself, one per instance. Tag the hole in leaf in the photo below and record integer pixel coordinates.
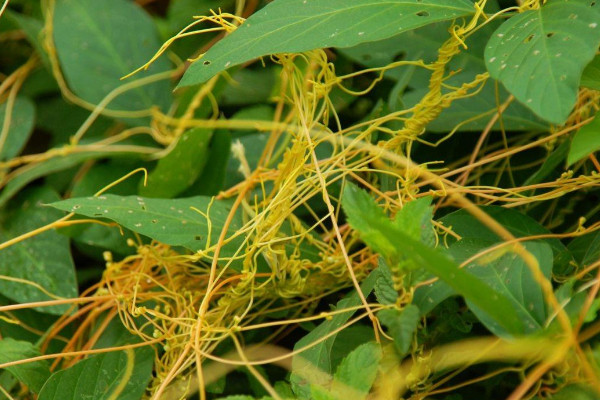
(206, 62)
(592, 4)
(529, 38)
(154, 221)
(98, 214)
(422, 14)
(197, 237)
(143, 208)
(549, 34)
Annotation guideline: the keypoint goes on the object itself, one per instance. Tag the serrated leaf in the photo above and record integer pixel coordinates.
(385, 292)
(539, 55)
(318, 358)
(170, 221)
(369, 220)
(415, 220)
(356, 373)
(44, 259)
(98, 42)
(585, 141)
(22, 118)
(180, 168)
(401, 326)
(293, 26)
(99, 377)
(33, 374)
(591, 74)
(320, 393)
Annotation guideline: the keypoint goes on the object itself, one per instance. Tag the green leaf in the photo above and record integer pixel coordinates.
(22, 119)
(539, 55)
(585, 141)
(512, 278)
(356, 373)
(33, 374)
(551, 162)
(520, 225)
(286, 26)
(99, 377)
(385, 292)
(180, 168)
(320, 393)
(401, 325)
(44, 259)
(210, 182)
(32, 28)
(96, 49)
(415, 220)
(591, 74)
(586, 248)
(375, 228)
(170, 221)
(319, 356)
(55, 164)
(575, 392)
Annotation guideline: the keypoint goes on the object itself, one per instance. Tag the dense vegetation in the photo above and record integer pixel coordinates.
(299, 199)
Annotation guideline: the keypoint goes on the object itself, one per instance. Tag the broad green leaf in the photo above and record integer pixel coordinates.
(384, 237)
(210, 182)
(551, 162)
(290, 26)
(52, 165)
(586, 248)
(44, 259)
(250, 86)
(539, 55)
(348, 340)
(180, 168)
(585, 141)
(591, 74)
(506, 274)
(319, 356)
(22, 118)
(401, 325)
(33, 374)
(177, 222)
(100, 377)
(98, 42)
(511, 277)
(520, 225)
(356, 373)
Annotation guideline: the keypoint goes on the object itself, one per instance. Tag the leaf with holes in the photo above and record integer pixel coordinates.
(539, 55)
(194, 223)
(294, 26)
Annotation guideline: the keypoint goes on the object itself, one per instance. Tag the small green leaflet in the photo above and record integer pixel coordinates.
(380, 233)
(177, 222)
(539, 55)
(318, 358)
(22, 119)
(401, 325)
(585, 141)
(100, 376)
(293, 26)
(34, 374)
